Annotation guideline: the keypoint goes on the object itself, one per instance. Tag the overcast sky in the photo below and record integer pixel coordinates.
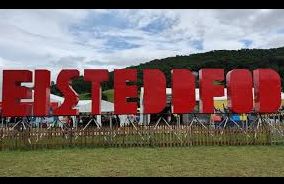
(56, 39)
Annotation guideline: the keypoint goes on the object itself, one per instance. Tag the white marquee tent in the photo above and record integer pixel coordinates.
(85, 106)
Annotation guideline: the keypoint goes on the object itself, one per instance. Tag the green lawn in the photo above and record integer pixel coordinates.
(85, 96)
(192, 161)
(109, 94)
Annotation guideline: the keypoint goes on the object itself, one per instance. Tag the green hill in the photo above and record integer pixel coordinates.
(108, 95)
(227, 59)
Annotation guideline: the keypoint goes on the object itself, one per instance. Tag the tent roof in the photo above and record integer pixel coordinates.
(85, 106)
(53, 98)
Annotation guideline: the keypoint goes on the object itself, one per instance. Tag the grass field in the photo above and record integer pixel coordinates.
(193, 161)
(109, 94)
(85, 96)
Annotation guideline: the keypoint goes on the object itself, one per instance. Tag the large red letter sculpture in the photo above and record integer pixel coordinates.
(122, 91)
(267, 90)
(41, 93)
(208, 90)
(155, 97)
(96, 77)
(239, 91)
(13, 92)
(183, 91)
(71, 98)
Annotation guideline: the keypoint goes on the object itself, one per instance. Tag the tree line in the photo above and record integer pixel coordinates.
(227, 59)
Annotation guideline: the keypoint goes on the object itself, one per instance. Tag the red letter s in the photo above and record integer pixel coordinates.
(71, 98)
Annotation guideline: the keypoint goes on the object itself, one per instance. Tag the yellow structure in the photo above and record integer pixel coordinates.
(219, 104)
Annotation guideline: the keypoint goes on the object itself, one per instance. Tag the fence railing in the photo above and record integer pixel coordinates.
(138, 136)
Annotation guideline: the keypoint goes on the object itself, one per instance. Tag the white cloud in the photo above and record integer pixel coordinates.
(55, 39)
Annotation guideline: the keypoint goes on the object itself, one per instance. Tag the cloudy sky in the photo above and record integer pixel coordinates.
(56, 39)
